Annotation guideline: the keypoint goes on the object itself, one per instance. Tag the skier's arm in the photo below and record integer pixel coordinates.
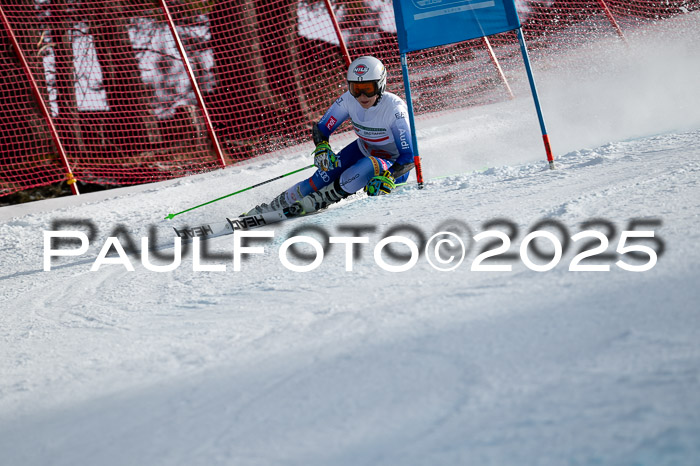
(398, 170)
(330, 121)
(385, 182)
(404, 143)
(318, 135)
(324, 157)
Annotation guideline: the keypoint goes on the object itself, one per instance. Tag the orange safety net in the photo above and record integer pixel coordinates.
(125, 108)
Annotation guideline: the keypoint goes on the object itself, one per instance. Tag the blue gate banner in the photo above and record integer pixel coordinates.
(422, 24)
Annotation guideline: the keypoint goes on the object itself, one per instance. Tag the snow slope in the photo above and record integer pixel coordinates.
(270, 366)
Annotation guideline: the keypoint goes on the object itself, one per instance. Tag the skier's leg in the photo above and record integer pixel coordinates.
(350, 181)
(319, 180)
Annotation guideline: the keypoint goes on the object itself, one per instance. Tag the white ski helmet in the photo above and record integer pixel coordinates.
(366, 75)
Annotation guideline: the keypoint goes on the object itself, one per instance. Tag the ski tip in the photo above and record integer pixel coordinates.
(169, 217)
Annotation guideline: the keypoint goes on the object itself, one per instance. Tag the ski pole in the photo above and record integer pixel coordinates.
(171, 216)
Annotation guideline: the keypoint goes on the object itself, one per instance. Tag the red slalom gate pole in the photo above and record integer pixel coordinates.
(498, 66)
(336, 26)
(195, 85)
(611, 18)
(42, 105)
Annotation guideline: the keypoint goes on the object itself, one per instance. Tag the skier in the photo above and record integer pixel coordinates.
(380, 157)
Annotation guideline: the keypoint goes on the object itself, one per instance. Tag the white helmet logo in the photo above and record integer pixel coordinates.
(361, 69)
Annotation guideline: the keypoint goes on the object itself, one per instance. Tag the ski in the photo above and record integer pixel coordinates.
(215, 229)
(249, 222)
(244, 222)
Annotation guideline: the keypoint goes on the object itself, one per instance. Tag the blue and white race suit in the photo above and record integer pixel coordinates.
(383, 140)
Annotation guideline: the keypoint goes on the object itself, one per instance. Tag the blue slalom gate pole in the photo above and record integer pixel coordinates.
(409, 102)
(533, 88)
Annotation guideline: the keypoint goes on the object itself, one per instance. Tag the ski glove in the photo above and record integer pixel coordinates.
(324, 157)
(379, 185)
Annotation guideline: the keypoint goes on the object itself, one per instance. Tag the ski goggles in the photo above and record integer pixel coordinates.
(368, 88)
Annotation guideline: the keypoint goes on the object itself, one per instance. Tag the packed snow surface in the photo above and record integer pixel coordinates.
(270, 366)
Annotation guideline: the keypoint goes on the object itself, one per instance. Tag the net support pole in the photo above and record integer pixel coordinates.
(195, 85)
(611, 18)
(41, 103)
(338, 33)
(411, 119)
(533, 88)
(498, 66)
